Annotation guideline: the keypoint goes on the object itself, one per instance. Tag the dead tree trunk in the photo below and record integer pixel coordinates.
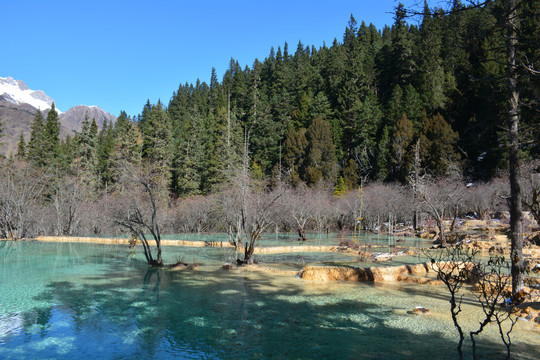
(416, 226)
(516, 236)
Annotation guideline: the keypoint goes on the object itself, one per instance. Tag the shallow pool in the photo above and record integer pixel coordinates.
(78, 301)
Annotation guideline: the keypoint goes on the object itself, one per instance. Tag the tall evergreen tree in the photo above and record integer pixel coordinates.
(402, 141)
(433, 82)
(157, 142)
(402, 60)
(21, 148)
(105, 148)
(189, 160)
(438, 145)
(382, 160)
(320, 162)
(127, 149)
(51, 145)
(294, 151)
(86, 162)
(36, 144)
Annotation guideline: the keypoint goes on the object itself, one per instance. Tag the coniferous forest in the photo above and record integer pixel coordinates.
(426, 94)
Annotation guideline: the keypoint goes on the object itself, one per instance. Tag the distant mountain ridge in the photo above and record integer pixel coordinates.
(19, 104)
(73, 117)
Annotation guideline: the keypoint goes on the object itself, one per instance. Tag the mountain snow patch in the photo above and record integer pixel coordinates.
(17, 92)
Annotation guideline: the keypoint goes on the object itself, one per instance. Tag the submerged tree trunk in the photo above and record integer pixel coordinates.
(249, 248)
(302, 234)
(300, 227)
(516, 236)
(442, 235)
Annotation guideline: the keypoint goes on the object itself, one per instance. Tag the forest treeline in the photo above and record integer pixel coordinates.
(353, 110)
(430, 90)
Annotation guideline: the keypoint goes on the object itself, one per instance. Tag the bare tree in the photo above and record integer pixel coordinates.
(438, 196)
(21, 188)
(249, 210)
(299, 208)
(456, 268)
(137, 211)
(452, 267)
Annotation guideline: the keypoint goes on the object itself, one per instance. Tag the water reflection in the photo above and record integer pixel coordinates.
(92, 300)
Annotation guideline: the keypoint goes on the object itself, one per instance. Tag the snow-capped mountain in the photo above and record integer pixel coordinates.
(17, 93)
(19, 104)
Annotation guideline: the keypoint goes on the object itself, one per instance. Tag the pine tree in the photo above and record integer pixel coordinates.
(300, 115)
(68, 152)
(157, 142)
(86, 162)
(127, 149)
(400, 61)
(402, 141)
(382, 161)
(351, 174)
(365, 129)
(321, 163)
(51, 146)
(21, 148)
(189, 159)
(35, 150)
(340, 189)
(105, 149)
(121, 124)
(438, 145)
(433, 82)
(294, 150)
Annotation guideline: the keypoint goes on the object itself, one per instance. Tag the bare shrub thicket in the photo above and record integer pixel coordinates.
(486, 198)
(308, 209)
(386, 203)
(194, 215)
(21, 190)
(350, 207)
(325, 211)
(69, 195)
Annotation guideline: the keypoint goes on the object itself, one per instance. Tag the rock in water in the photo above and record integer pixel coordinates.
(419, 310)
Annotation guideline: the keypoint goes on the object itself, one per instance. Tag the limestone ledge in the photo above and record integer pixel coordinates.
(369, 274)
(116, 241)
(258, 250)
(500, 247)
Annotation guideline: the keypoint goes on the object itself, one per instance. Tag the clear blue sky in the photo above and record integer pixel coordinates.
(117, 54)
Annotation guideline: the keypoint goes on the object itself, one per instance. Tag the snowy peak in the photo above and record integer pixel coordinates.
(18, 93)
(19, 104)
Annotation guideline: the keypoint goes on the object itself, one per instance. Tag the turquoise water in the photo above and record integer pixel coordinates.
(78, 301)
